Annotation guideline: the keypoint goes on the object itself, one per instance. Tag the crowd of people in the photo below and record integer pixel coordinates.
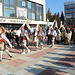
(36, 37)
(62, 35)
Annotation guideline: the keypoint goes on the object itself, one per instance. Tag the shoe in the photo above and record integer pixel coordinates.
(42, 47)
(37, 47)
(23, 53)
(28, 50)
(51, 46)
(11, 57)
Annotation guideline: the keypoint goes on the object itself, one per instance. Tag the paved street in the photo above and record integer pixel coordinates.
(59, 60)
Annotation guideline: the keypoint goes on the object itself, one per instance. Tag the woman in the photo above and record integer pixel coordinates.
(3, 46)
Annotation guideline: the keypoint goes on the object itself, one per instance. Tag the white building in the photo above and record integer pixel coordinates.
(13, 13)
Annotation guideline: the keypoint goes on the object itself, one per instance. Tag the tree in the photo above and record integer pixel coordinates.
(49, 16)
(62, 17)
(70, 21)
(58, 19)
(54, 16)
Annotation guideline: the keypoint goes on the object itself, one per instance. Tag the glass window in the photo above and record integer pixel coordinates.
(31, 10)
(12, 2)
(23, 4)
(39, 12)
(33, 16)
(29, 16)
(6, 7)
(12, 7)
(69, 10)
(6, 1)
(12, 13)
(19, 3)
(6, 12)
(6, 4)
(29, 4)
(70, 5)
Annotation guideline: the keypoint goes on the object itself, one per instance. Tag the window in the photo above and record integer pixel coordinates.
(12, 2)
(12, 13)
(9, 8)
(6, 12)
(69, 14)
(39, 12)
(21, 3)
(70, 5)
(69, 10)
(6, 1)
(31, 10)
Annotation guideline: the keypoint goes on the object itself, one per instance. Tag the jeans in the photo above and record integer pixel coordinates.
(12, 42)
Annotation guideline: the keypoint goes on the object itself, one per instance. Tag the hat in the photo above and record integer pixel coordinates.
(35, 29)
(22, 27)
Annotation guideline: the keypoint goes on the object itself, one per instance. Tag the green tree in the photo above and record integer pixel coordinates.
(49, 16)
(58, 20)
(62, 17)
(70, 21)
(54, 16)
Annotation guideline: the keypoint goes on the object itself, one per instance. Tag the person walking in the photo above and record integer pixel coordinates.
(3, 46)
(48, 35)
(24, 37)
(53, 34)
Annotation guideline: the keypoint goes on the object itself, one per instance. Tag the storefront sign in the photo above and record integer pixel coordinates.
(21, 13)
(12, 21)
(1, 13)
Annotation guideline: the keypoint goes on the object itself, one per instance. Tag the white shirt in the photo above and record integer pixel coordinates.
(49, 31)
(53, 33)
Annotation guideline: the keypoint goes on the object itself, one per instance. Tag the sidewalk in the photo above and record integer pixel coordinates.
(59, 60)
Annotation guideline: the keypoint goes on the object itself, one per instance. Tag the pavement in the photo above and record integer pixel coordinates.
(59, 60)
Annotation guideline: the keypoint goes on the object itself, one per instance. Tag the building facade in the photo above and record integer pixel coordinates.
(13, 13)
(69, 9)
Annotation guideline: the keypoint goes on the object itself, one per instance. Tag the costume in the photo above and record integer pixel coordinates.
(3, 46)
(24, 37)
(53, 34)
(58, 37)
(40, 38)
(68, 37)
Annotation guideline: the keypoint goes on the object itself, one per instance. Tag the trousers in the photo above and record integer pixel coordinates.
(24, 45)
(1, 52)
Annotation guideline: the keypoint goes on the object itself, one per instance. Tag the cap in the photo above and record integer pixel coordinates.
(22, 27)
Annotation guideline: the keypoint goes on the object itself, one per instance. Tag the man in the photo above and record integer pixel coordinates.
(3, 46)
(24, 37)
(53, 34)
(12, 37)
(48, 35)
(40, 37)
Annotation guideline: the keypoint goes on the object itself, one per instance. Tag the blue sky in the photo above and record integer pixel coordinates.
(56, 5)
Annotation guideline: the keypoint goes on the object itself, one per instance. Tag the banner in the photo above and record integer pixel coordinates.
(21, 13)
(1, 13)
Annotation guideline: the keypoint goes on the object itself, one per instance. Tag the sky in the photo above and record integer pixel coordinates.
(56, 5)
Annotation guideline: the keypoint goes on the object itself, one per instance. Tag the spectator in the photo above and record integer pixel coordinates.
(12, 37)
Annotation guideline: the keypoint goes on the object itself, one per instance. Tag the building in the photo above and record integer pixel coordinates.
(13, 13)
(69, 9)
